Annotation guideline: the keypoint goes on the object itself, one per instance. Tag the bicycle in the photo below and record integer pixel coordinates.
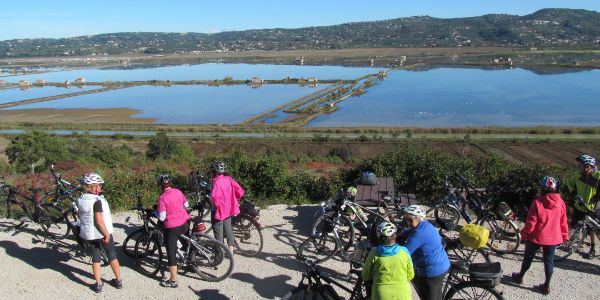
(473, 281)
(63, 208)
(38, 213)
(149, 222)
(505, 237)
(353, 213)
(208, 258)
(316, 283)
(579, 233)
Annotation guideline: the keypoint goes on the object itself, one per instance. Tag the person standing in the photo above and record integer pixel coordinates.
(585, 185)
(172, 211)
(546, 227)
(225, 194)
(96, 229)
(389, 266)
(429, 258)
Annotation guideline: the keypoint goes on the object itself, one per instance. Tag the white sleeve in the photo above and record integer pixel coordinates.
(162, 215)
(186, 204)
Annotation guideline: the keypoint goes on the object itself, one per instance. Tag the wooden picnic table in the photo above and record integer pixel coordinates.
(370, 195)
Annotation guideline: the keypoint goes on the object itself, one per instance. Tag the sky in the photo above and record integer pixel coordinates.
(67, 18)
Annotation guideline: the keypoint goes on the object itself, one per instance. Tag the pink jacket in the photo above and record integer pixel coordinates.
(225, 195)
(546, 222)
(172, 201)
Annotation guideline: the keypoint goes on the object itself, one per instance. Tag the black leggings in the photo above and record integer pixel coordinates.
(548, 256)
(171, 236)
(429, 288)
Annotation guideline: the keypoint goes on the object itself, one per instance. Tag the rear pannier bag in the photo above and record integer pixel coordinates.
(474, 236)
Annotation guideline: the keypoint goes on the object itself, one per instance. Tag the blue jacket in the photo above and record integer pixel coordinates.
(428, 255)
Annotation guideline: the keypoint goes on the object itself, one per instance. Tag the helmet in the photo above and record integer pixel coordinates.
(163, 179)
(415, 210)
(352, 191)
(548, 183)
(217, 166)
(386, 229)
(586, 159)
(92, 178)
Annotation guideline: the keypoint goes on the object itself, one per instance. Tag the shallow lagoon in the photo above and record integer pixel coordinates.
(469, 97)
(16, 94)
(187, 104)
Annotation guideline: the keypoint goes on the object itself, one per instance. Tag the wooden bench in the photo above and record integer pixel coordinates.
(370, 195)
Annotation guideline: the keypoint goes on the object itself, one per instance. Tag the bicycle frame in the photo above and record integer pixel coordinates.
(315, 277)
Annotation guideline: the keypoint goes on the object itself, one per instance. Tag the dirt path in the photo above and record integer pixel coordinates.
(52, 270)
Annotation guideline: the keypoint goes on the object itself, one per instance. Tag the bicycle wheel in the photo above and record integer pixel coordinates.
(576, 243)
(318, 249)
(504, 235)
(55, 222)
(204, 208)
(148, 254)
(210, 259)
(346, 228)
(248, 235)
(472, 291)
(469, 255)
(445, 216)
(129, 242)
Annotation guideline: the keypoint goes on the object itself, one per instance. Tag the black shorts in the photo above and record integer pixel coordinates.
(96, 246)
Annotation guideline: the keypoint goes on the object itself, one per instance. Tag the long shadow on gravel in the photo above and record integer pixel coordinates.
(45, 258)
(579, 266)
(303, 220)
(270, 287)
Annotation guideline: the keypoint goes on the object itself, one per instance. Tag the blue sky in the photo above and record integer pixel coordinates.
(65, 18)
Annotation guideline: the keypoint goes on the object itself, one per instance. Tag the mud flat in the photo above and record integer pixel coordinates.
(51, 115)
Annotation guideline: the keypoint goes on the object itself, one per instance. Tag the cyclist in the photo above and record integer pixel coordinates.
(429, 258)
(545, 227)
(389, 266)
(225, 194)
(585, 185)
(96, 229)
(172, 211)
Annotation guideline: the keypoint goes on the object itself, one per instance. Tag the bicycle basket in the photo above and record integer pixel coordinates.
(485, 274)
(503, 209)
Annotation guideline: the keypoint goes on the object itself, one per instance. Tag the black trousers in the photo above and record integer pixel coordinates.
(171, 236)
(429, 288)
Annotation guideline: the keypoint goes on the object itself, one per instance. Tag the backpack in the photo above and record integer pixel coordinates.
(474, 236)
(368, 178)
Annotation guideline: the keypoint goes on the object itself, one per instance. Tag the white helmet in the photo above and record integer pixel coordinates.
(92, 178)
(386, 229)
(415, 210)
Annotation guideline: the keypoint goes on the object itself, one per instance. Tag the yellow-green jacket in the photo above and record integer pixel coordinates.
(391, 269)
(586, 187)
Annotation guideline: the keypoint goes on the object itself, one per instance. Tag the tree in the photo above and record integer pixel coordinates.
(31, 150)
(161, 147)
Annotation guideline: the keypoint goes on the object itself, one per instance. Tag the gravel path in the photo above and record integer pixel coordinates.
(34, 269)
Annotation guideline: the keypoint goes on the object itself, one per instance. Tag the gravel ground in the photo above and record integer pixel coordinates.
(34, 269)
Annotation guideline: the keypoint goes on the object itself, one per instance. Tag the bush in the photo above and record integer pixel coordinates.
(33, 150)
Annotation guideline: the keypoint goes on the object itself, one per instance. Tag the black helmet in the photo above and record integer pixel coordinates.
(217, 167)
(163, 179)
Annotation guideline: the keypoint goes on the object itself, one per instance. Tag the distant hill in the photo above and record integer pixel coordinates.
(546, 28)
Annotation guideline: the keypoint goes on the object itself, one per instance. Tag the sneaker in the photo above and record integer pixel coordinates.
(542, 288)
(118, 284)
(516, 278)
(98, 287)
(169, 283)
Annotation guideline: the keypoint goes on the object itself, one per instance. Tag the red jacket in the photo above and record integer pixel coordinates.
(546, 222)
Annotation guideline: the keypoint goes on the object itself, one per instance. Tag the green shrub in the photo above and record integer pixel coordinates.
(33, 150)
